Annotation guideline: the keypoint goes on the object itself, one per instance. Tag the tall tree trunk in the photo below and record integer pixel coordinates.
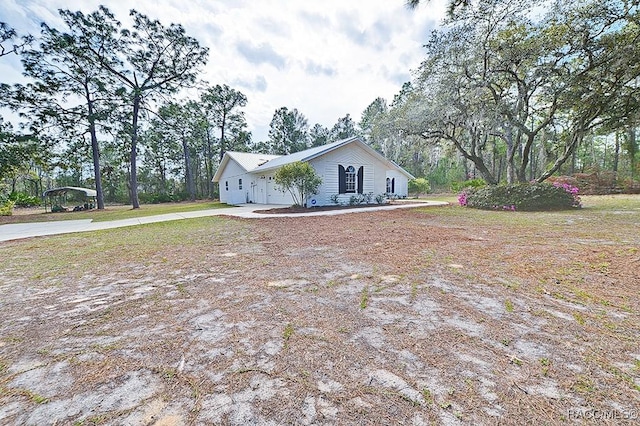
(95, 151)
(476, 160)
(511, 152)
(188, 170)
(208, 161)
(576, 138)
(223, 123)
(632, 150)
(616, 154)
(525, 155)
(135, 203)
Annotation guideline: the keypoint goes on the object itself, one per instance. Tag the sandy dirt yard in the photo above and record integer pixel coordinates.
(421, 316)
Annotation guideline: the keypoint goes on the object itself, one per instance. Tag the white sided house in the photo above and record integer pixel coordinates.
(347, 167)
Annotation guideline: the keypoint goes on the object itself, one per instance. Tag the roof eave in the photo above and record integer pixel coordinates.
(223, 164)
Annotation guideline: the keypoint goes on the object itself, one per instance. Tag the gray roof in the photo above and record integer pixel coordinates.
(263, 162)
(247, 160)
(250, 160)
(306, 155)
(311, 153)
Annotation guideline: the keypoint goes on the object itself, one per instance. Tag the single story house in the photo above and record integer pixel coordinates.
(347, 167)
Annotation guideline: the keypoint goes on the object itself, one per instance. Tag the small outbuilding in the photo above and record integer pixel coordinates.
(347, 167)
(84, 198)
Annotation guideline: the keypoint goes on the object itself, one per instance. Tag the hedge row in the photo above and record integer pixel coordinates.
(525, 196)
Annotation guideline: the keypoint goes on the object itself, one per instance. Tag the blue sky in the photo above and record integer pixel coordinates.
(326, 58)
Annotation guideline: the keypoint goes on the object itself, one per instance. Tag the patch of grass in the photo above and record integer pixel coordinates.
(34, 397)
(288, 332)
(583, 385)
(48, 258)
(583, 295)
(181, 289)
(546, 365)
(106, 348)
(364, 298)
(414, 291)
(516, 361)
(579, 318)
(93, 420)
(168, 373)
(426, 394)
(508, 305)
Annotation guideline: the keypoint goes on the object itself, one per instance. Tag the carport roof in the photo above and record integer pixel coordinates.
(63, 190)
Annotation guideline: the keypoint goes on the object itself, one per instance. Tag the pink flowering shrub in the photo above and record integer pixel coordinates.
(573, 190)
(462, 199)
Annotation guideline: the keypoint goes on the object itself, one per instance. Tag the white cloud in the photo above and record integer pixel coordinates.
(325, 58)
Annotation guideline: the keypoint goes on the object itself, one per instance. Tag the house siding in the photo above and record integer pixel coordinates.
(401, 183)
(232, 174)
(374, 180)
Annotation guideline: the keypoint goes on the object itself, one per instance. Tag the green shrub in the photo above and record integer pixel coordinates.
(300, 179)
(419, 186)
(472, 183)
(381, 199)
(24, 200)
(357, 199)
(6, 208)
(525, 196)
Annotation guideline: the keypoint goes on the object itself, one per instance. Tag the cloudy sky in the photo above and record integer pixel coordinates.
(326, 58)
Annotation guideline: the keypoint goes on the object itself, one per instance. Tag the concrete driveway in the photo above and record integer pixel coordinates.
(16, 231)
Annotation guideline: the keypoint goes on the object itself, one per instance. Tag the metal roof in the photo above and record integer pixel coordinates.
(63, 190)
(262, 162)
(305, 155)
(247, 160)
(310, 154)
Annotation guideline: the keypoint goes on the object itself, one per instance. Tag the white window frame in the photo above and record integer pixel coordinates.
(350, 180)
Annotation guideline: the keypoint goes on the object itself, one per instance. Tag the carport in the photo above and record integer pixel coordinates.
(58, 198)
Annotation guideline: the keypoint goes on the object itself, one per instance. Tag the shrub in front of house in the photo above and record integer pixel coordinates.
(522, 197)
(357, 199)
